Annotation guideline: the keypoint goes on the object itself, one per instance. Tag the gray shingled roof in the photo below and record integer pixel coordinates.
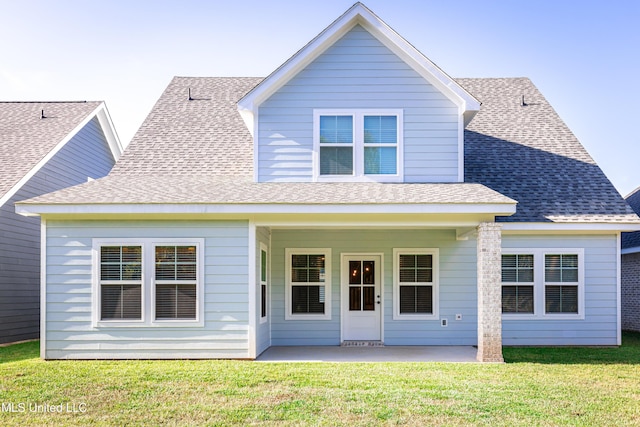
(529, 154)
(170, 189)
(25, 137)
(205, 154)
(204, 136)
(632, 240)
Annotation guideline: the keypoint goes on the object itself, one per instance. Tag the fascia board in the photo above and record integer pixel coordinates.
(109, 130)
(632, 250)
(299, 60)
(9, 194)
(487, 209)
(539, 227)
(419, 62)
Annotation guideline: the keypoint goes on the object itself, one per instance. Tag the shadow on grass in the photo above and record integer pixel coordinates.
(628, 353)
(18, 352)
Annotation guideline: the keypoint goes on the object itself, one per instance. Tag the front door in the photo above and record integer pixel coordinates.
(361, 297)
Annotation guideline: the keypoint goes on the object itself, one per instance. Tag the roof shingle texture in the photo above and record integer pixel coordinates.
(200, 151)
(26, 138)
(527, 152)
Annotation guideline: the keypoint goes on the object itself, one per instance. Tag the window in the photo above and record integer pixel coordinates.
(358, 145)
(264, 275)
(517, 283)
(121, 282)
(148, 282)
(561, 283)
(175, 273)
(415, 284)
(543, 283)
(308, 290)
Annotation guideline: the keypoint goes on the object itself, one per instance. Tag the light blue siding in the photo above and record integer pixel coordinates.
(458, 289)
(85, 155)
(357, 72)
(457, 286)
(600, 324)
(70, 333)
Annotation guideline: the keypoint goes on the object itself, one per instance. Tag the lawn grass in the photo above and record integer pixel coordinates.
(536, 387)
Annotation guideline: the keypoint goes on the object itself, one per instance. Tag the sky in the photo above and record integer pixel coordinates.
(584, 56)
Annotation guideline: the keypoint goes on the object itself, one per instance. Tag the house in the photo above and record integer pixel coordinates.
(357, 194)
(44, 146)
(631, 271)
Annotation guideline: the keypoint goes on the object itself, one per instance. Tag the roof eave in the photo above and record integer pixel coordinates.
(493, 209)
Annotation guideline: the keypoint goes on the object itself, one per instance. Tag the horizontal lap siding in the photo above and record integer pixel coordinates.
(70, 333)
(358, 72)
(457, 286)
(85, 155)
(600, 324)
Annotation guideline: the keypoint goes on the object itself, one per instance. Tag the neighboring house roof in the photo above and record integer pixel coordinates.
(32, 132)
(358, 14)
(632, 240)
(200, 151)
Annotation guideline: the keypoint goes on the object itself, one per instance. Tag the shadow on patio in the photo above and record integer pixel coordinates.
(465, 354)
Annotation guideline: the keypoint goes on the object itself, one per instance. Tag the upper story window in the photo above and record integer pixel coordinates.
(358, 145)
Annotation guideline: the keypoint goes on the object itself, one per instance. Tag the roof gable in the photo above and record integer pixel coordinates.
(358, 14)
(31, 133)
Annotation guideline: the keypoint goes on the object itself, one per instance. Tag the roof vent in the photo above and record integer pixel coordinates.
(42, 116)
(190, 98)
(522, 103)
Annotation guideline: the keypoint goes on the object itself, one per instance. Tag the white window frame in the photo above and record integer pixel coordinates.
(148, 282)
(288, 314)
(358, 145)
(435, 254)
(539, 284)
(532, 284)
(265, 283)
(97, 244)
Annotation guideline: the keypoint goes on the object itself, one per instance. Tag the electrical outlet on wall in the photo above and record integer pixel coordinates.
(444, 323)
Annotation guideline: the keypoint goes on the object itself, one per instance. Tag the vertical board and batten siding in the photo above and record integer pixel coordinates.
(600, 324)
(70, 333)
(457, 286)
(85, 155)
(263, 330)
(358, 72)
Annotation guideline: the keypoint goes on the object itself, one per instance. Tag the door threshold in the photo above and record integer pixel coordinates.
(353, 343)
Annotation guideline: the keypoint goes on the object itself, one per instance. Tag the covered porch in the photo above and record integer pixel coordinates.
(326, 286)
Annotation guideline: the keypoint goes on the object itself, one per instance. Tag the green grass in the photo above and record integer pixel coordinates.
(536, 387)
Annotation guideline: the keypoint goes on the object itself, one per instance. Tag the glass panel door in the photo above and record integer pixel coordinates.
(362, 285)
(361, 297)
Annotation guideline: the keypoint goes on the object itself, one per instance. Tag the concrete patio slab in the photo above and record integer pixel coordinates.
(460, 354)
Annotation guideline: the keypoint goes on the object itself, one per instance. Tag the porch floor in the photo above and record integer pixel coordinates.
(466, 354)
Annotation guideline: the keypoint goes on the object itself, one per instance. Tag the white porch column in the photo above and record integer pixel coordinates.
(489, 292)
